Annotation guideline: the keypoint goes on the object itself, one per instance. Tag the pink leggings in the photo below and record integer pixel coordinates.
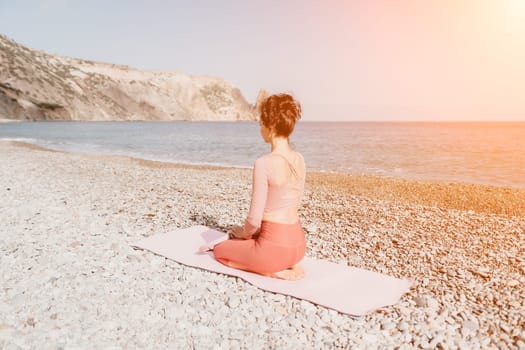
(278, 247)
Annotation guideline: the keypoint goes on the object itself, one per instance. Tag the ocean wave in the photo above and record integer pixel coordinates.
(20, 139)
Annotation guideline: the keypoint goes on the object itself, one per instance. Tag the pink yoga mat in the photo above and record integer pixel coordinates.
(346, 289)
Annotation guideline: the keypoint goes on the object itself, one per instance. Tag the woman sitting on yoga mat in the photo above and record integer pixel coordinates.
(272, 240)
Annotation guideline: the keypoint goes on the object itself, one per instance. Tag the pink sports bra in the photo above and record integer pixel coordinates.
(273, 189)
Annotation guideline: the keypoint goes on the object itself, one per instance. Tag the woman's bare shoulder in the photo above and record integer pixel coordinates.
(299, 159)
(264, 158)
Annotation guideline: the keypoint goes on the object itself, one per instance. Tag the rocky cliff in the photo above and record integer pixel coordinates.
(35, 85)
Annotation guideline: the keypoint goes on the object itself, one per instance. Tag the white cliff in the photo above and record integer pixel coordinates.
(35, 85)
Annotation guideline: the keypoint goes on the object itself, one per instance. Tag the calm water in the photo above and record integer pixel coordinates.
(487, 153)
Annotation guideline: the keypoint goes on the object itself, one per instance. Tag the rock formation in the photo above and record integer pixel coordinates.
(35, 85)
(261, 96)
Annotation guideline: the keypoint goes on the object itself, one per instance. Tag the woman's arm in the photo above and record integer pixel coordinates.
(258, 200)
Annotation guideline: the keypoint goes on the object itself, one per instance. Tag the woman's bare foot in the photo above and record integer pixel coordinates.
(292, 274)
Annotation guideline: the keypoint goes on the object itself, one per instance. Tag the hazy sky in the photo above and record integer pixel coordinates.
(344, 60)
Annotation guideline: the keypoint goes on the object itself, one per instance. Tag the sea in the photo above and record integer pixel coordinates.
(490, 153)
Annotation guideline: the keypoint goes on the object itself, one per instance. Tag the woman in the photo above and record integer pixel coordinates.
(278, 185)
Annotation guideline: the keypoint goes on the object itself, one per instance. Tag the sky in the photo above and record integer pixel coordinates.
(382, 60)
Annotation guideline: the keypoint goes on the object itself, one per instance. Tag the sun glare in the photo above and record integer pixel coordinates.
(512, 17)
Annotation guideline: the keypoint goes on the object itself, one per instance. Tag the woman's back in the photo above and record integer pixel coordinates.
(286, 178)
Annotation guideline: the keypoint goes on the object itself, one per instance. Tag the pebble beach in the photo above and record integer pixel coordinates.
(69, 278)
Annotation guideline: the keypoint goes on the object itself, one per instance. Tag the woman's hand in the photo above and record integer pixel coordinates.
(238, 232)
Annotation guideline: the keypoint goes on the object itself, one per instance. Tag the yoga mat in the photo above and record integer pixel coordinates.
(346, 289)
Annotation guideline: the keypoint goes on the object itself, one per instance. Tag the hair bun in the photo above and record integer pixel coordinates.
(279, 113)
(291, 108)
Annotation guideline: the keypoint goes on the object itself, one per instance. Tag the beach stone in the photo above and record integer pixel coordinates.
(370, 338)
(482, 271)
(505, 327)
(420, 301)
(402, 326)
(31, 322)
(501, 345)
(6, 331)
(311, 228)
(438, 339)
(470, 326)
(513, 283)
(309, 307)
(233, 301)
(424, 344)
(387, 325)
(521, 335)
(432, 303)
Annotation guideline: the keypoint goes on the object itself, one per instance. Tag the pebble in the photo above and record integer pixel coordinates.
(505, 327)
(233, 301)
(402, 326)
(470, 326)
(6, 331)
(513, 283)
(420, 301)
(521, 335)
(432, 303)
(434, 342)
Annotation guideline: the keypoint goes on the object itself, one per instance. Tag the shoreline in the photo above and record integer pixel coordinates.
(480, 198)
(429, 181)
(70, 279)
(7, 120)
